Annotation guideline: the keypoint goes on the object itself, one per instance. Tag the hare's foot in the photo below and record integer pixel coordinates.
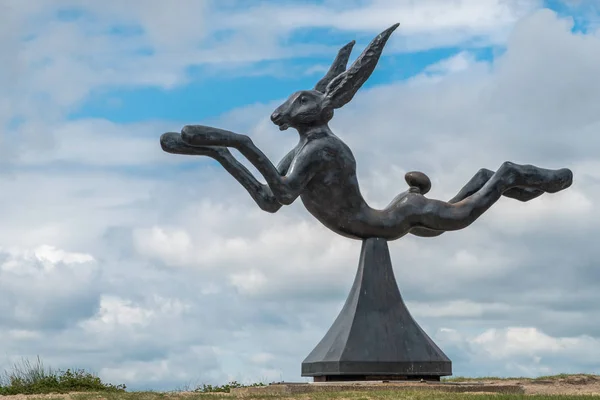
(420, 183)
(171, 142)
(483, 176)
(523, 194)
(532, 177)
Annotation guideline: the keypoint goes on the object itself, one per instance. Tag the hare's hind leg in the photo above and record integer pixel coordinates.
(420, 183)
(481, 178)
(474, 185)
(416, 211)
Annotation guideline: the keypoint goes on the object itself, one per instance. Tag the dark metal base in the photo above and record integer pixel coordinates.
(374, 335)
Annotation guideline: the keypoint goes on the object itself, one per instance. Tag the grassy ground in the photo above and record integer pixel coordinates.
(495, 378)
(417, 395)
(39, 382)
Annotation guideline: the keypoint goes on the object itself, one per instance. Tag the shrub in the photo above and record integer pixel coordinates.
(28, 378)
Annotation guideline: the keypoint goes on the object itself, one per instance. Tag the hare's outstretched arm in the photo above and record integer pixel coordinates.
(473, 186)
(286, 188)
(171, 143)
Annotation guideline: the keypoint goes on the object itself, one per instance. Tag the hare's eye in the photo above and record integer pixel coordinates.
(302, 99)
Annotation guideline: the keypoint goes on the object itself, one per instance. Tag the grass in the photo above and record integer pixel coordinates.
(33, 378)
(226, 388)
(375, 395)
(76, 384)
(520, 378)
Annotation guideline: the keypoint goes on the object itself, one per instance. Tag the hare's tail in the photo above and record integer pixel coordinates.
(418, 182)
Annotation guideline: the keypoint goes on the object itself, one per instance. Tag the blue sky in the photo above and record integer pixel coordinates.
(206, 97)
(164, 268)
(208, 93)
(209, 96)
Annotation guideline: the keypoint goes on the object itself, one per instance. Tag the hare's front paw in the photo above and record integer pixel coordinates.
(172, 142)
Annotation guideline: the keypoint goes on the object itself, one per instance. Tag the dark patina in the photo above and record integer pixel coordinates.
(374, 337)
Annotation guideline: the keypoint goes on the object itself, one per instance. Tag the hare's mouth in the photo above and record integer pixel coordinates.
(280, 121)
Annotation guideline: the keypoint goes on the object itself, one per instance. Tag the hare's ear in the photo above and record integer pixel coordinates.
(343, 87)
(338, 66)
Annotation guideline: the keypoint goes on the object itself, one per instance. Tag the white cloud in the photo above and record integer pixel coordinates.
(530, 342)
(524, 351)
(249, 282)
(576, 209)
(116, 314)
(458, 21)
(174, 369)
(45, 288)
(98, 142)
(455, 309)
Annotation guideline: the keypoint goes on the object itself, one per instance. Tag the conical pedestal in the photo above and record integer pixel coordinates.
(374, 337)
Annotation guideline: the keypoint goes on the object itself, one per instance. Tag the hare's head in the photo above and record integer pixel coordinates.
(315, 107)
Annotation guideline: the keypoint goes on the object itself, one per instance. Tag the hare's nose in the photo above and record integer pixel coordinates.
(275, 116)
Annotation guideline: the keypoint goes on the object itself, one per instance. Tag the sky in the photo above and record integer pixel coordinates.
(159, 271)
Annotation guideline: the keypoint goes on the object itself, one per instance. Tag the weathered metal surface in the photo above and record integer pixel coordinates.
(374, 333)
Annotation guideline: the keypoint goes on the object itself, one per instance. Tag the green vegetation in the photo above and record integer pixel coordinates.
(34, 378)
(520, 378)
(565, 376)
(224, 388)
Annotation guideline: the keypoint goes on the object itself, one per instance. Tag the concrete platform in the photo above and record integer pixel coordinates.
(290, 388)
